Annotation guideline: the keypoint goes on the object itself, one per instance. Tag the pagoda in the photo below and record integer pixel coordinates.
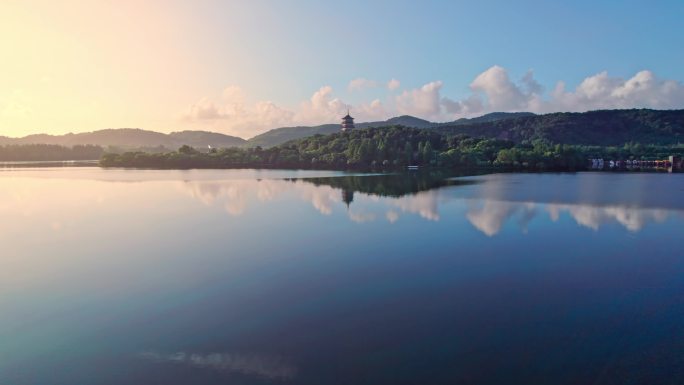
(347, 122)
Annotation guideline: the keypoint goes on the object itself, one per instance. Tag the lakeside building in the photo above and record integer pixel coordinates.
(347, 122)
(672, 163)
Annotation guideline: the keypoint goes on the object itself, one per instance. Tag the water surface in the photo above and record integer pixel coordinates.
(313, 277)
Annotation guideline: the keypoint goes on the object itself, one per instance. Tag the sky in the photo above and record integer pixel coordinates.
(243, 67)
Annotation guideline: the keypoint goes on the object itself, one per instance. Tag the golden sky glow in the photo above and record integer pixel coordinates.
(243, 67)
(84, 65)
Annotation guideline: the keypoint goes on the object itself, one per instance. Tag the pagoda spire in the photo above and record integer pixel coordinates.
(347, 122)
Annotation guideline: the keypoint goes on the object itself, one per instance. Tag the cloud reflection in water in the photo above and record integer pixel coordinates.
(488, 215)
(254, 364)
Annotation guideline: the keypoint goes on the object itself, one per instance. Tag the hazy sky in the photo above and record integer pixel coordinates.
(241, 67)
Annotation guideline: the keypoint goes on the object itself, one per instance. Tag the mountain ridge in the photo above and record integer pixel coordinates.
(128, 138)
(131, 138)
(281, 135)
(601, 127)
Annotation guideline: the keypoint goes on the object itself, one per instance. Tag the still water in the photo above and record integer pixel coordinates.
(294, 277)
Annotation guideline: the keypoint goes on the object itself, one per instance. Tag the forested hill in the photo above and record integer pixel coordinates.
(600, 128)
(282, 135)
(596, 128)
(396, 147)
(131, 138)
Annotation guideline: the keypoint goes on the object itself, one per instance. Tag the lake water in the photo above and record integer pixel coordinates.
(294, 277)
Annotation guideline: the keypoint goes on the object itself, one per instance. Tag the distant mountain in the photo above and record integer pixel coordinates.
(281, 135)
(132, 138)
(206, 138)
(404, 120)
(601, 128)
(605, 128)
(491, 117)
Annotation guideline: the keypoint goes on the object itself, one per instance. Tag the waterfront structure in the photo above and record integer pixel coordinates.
(672, 163)
(347, 122)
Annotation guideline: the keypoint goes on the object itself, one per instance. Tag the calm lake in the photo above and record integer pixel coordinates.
(313, 277)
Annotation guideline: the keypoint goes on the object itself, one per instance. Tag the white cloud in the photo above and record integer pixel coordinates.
(424, 102)
(232, 114)
(466, 107)
(321, 108)
(372, 111)
(644, 89)
(393, 84)
(501, 93)
(533, 87)
(493, 90)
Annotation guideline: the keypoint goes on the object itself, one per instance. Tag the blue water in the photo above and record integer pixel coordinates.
(303, 277)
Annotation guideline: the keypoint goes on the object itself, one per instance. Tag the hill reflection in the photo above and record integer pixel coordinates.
(488, 202)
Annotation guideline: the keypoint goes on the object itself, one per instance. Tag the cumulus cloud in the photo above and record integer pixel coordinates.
(374, 110)
(491, 91)
(393, 84)
(232, 114)
(466, 107)
(502, 94)
(424, 102)
(532, 86)
(321, 107)
(600, 91)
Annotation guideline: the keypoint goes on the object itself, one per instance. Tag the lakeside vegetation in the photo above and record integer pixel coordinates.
(48, 152)
(392, 184)
(595, 128)
(392, 148)
(557, 141)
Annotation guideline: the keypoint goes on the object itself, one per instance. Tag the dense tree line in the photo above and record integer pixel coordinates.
(392, 148)
(48, 152)
(603, 128)
(392, 184)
